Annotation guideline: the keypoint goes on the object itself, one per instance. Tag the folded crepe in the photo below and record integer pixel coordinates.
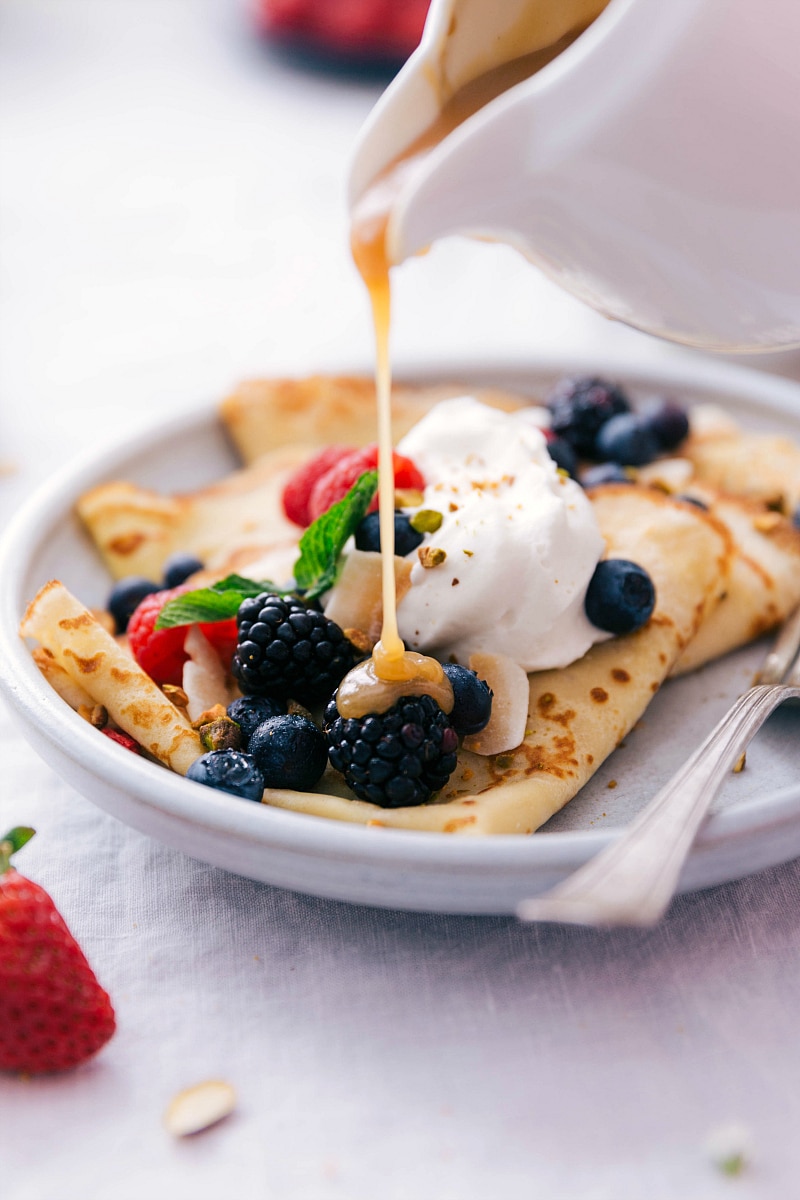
(137, 529)
(760, 466)
(264, 413)
(75, 647)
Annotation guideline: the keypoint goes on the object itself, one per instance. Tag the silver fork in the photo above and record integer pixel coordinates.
(633, 880)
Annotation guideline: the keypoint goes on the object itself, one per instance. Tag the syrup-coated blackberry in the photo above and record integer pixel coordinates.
(397, 758)
(286, 649)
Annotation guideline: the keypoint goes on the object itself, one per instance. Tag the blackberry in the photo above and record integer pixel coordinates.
(251, 711)
(286, 649)
(397, 758)
(580, 407)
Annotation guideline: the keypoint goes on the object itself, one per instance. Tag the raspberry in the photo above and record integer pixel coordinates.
(397, 758)
(160, 652)
(288, 650)
(297, 491)
(336, 482)
(123, 739)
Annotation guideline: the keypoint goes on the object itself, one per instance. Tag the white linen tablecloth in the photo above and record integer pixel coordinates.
(172, 218)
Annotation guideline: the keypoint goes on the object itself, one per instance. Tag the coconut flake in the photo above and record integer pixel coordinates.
(510, 699)
(203, 675)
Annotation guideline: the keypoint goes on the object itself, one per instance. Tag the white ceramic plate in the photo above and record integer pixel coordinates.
(755, 823)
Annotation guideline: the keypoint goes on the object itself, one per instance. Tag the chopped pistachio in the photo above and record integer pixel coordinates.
(427, 520)
(176, 694)
(431, 556)
(222, 734)
(217, 713)
(95, 714)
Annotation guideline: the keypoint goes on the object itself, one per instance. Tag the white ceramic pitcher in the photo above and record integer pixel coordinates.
(652, 168)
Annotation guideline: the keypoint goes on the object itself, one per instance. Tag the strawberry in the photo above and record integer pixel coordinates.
(358, 28)
(297, 491)
(336, 482)
(160, 652)
(53, 1012)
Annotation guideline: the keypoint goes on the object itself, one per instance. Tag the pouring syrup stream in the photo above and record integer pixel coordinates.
(394, 671)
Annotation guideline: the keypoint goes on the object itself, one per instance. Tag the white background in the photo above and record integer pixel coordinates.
(172, 219)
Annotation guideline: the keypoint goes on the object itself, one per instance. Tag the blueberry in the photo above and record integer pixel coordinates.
(228, 771)
(609, 472)
(290, 751)
(580, 407)
(627, 439)
(251, 711)
(406, 539)
(179, 567)
(669, 424)
(126, 596)
(563, 455)
(620, 596)
(473, 700)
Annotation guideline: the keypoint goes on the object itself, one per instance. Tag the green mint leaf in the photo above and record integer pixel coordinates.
(324, 540)
(219, 602)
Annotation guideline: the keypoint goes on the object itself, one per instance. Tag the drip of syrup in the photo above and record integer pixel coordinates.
(393, 671)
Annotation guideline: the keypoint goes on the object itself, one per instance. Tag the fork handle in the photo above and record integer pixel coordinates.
(633, 881)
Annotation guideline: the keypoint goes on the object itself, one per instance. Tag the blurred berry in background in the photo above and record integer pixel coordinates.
(379, 33)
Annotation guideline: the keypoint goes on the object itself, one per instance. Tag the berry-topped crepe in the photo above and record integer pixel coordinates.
(554, 564)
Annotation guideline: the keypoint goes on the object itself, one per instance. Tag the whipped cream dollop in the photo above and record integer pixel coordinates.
(520, 540)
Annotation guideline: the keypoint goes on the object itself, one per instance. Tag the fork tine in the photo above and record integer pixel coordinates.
(782, 654)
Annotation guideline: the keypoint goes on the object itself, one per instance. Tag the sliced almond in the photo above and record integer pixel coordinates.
(510, 698)
(199, 1107)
